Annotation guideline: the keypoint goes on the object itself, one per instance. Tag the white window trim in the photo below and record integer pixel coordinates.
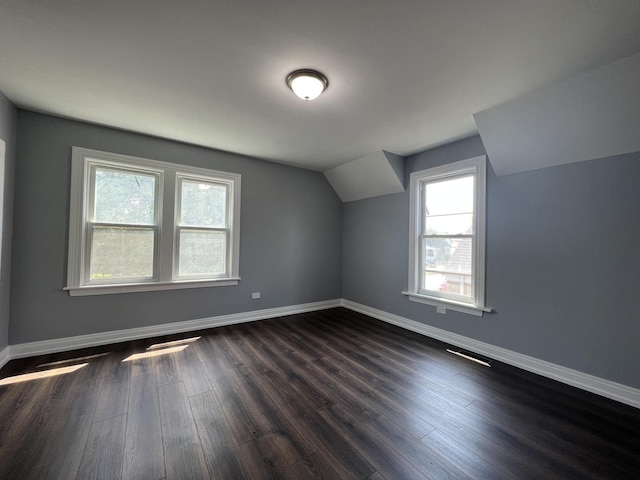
(477, 166)
(165, 276)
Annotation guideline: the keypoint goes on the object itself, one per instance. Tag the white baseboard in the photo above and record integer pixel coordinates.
(81, 341)
(590, 383)
(4, 356)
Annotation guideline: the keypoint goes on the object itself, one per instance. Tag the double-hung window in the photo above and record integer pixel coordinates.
(447, 236)
(202, 229)
(137, 224)
(123, 223)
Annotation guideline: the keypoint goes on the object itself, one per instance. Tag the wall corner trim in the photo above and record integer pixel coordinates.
(584, 381)
(81, 341)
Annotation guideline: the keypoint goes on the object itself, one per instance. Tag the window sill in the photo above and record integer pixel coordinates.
(147, 287)
(448, 304)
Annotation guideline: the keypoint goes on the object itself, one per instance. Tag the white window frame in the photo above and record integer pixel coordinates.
(180, 178)
(168, 178)
(474, 166)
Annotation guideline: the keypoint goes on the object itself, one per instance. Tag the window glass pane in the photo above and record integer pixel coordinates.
(118, 253)
(436, 282)
(458, 285)
(461, 224)
(202, 253)
(123, 197)
(449, 196)
(448, 283)
(203, 204)
(448, 254)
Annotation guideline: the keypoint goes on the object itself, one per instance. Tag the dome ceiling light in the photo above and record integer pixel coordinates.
(307, 84)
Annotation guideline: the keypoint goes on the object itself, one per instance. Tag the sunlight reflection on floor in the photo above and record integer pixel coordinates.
(155, 353)
(44, 374)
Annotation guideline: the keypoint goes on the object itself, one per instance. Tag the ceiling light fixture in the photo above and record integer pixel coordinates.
(307, 84)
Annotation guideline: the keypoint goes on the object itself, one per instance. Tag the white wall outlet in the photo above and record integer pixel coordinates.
(255, 295)
(441, 310)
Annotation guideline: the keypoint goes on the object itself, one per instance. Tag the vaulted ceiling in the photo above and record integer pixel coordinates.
(405, 75)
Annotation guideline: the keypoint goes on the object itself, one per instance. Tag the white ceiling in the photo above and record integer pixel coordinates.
(405, 75)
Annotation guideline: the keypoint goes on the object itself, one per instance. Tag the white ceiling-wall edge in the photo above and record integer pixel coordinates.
(379, 173)
(590, 116)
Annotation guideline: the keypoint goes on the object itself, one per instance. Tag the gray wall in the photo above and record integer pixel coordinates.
(562, 256)
(290, 245)
(562, 261)
(8, 119)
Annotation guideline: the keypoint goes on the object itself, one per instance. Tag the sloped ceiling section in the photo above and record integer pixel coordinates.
(593, 115)
(379, 173)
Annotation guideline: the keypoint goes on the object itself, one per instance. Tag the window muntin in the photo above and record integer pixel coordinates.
(138, 224)
(447, 235)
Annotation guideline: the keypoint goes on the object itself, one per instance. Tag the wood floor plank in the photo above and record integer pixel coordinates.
(592, 416)
(384, 460)
(325, 443)
(216, 436)
(330, 456)
(556, 442)
(266, 458)
(359, 405)
(193, 372)
(338, 445)
(321, 465)
(270, 396)
(69, 421)
(184, 458)
(61, 459)
(321, 450)
(491, 442)
(376, 476)
(21, 404)
(210, 351)
(429, 462)
(114, 394)
(465, 459)
(35, 412)
(144, 449)
(167, 369)
(287, 371)
(401, 346)
(246, 418)
(104, 452)
(382, 397)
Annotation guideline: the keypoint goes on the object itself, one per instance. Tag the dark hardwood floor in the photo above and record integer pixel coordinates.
(331, 394)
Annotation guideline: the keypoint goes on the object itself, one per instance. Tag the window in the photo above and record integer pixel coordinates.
(138, 224)
(447, 245)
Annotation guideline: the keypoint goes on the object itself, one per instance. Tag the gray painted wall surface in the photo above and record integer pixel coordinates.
(562, 261)
(290, 246)
(8, 119)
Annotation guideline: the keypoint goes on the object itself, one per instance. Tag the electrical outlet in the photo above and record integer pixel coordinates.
(441, 310)
(255, 295)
